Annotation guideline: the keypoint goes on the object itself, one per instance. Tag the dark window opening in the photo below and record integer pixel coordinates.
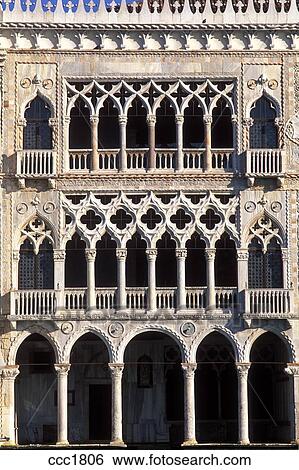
(165, 125)
(166, 268)
(263, 132)
(79, 132)
(195, 262)
(106, 265)
(226, 269)
(108, 126)
(136, 262)
(36, 271)
(265, 269)
(75, 263)
(137, 130)
(193, 128)
(222, 128)
(37, 132)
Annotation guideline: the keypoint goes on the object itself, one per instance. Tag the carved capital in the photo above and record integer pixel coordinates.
(151, 119)
(90, 254)
(242, 254)
(122, 119)
(67, 120)
(53, 122)
(121, 253)
(9, 372)
(116, 370)
(242, 369)
(207, 119)
(21, 122)
(151, 253)
(16, 255)
(189, 369)
(278, 121)
(247, 122)
(284, 254)
(179, 118)
(181, 252)
(62, 369)
(58, 255)
(94, 120)
(292, 369)
(210, 254)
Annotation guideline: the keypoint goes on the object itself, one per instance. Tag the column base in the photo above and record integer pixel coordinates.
(244, 442)
(118, 443)
(62, 443)
(189, 442)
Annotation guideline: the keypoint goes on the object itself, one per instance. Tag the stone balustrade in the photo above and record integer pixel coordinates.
(265, 162)
(36, 163)
(269, 302)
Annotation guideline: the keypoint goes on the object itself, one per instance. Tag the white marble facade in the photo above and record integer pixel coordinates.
(150, 342)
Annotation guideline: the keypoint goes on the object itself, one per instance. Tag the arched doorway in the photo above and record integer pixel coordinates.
(153, 382)
(89, 391)
(269, 391)
(36, 392)
(216, 391)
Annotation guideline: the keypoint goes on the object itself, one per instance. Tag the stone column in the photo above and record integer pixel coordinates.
(242, 371)
(151, 123)
(293, 371)
(59, 275)
(151, 254)
(15, 269)
(189, 404)
(62, 399)
(207, 119)
(210, 259)
(122, 119)
(121, 255)
(8, 376)
(181, 255)
(116, 375)
(242, 259)
(179, 120)
(285, 261)
(94, 121)
(90, 255)
(66, 131)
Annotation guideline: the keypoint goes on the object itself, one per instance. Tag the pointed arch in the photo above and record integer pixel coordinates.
(42, 96)
(36, 228)
(264, 220)
(37, 133)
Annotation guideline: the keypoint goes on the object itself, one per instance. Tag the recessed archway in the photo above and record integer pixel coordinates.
(89, 391)
(269, 390)
(216, 390)
(152, 372)
(36, 392)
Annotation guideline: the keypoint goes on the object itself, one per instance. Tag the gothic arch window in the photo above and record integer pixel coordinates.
(222, 128)
(226, 262)
(263, 132)
(265, 268)
(108, 126)
(165, 125)
(193, 127)
(36, 269)
(80, 133)
(37, 132)
(137, 130)
(75, 263)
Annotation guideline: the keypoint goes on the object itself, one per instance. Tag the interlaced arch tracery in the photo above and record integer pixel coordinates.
(151, 216)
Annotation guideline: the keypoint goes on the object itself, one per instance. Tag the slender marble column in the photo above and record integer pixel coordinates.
(59, 275)
(151, 123)
(242, 371)
(90, 255)
(181, 255)
(242, 260)
(210, 258)
(8, 376)
(66, 133)
(116, 375)
(94, 121)
(122, 119)
(293, 371)
(207, 119)
(121, 255)
(151, 254)
(189, 404)
(285, 261)
(179, 120)
(62, 374)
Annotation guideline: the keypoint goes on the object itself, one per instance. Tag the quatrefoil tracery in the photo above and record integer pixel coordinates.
(36, 231)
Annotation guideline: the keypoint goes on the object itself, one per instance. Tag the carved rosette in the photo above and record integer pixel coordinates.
(189, 369)
(116, 370)
(62, 369)
(242, 369)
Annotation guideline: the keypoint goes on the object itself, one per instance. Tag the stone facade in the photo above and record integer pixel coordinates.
(252, 194)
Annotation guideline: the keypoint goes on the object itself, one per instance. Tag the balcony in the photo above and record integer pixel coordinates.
(269, 303)
(265, 163)
(137, 160)
(36, 163)
(44, 304)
